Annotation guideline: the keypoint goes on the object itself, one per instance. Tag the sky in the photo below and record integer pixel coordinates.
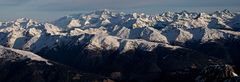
(49, 10)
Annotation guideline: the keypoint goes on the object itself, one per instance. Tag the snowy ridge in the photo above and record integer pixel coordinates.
(108, 30)
(14, 54)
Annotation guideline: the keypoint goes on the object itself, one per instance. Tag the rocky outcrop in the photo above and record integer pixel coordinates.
(217, 73)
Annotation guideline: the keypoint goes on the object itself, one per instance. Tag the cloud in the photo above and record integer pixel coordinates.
(91, 4)
(76, 5)
(71, 5)
(13, 2)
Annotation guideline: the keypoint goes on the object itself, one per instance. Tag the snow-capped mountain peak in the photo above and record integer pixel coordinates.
(142, 47)
(111, 29)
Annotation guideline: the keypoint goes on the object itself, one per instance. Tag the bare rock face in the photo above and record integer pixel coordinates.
(217, 73)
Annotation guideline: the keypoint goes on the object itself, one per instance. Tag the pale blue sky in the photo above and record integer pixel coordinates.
(48, 10)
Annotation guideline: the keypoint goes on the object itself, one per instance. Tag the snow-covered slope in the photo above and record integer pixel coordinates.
(108, 30)
(17, 65)
(10, 54)
(168, 27)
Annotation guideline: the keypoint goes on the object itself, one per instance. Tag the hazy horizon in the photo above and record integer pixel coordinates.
(49, 10)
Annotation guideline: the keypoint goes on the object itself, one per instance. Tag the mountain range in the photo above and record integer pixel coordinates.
(172, 46)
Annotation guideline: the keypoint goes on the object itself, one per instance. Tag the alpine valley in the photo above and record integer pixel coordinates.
(109, 46)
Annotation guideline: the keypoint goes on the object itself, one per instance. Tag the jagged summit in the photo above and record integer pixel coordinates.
(111, 29)
(102, 12)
